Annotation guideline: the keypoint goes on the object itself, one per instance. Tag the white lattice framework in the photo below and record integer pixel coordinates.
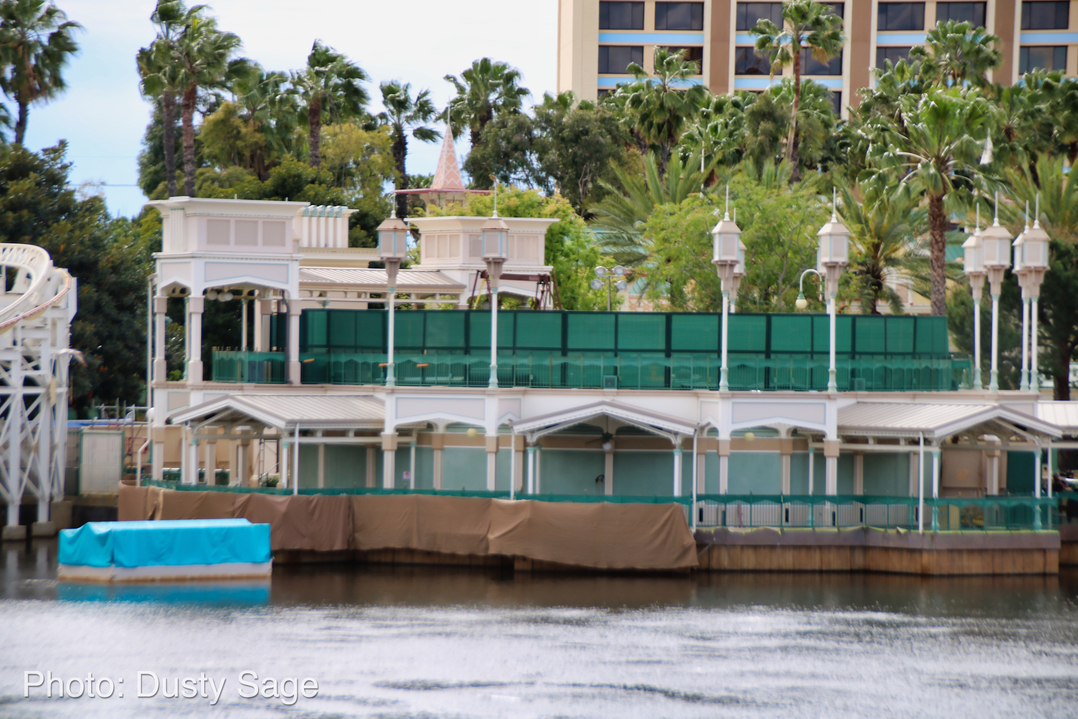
(37, 303)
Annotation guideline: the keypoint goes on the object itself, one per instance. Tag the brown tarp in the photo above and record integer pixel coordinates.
(307, 522)
(450, 525)
(132, 503)
(174, 504)
(601, 535)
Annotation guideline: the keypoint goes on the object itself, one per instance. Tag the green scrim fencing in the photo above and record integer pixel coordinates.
(254, 367)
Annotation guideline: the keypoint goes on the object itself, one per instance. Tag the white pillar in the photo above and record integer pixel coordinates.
(538, 469)
(492, 462)
(831, 484)
(437, 444)
(295, 463)
(1051, 467)
(912, 457)
(993, 377)
(832, 384)
(1034, 370)
(210, 461)
(243, 324)
(411, 462)
(321, 462)
(935, 487)
(724, 382)
(677, 469)
(257, 326)
(724, 465)
(391, 337)
(531, 469)
(786, 449)
(977, 384)
(494, 334)
(1037, 471)
(812, 467)
(282, 461)
(1025, 344)
(294, 368)
(859, 473)
(921, 484)
(389, 457)
(160, 365)
(370, 450)
(608, 470)
(518, 463)
(195, 306)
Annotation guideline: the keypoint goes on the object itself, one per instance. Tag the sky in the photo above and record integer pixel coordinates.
(103, 117)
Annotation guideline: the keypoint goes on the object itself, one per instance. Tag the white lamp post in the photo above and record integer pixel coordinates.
(833, 255)
(392, 248)
(1034, 250)
(1023, 276)
(996, 246)
(973, 266)
(495, 244)
(739, 272)
(727, 244)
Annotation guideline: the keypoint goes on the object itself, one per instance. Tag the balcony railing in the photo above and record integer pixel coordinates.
(253, 367)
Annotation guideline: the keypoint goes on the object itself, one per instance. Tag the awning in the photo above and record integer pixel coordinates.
(1063, 415)
(375, 280)
(661, 424)
(936, 421)
(287, 411)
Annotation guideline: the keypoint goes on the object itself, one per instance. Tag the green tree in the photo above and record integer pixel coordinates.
(108, 257)
(806, 24)
(485, 90)
(934, 143)
(506, 151)
(404, 114)
(204, 62)
(332, 82)
(152, 172)
(36, 40)
(955, 53)
(267, 105)
(660, 107)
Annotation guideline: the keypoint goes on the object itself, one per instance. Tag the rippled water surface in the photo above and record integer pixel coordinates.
(435, 642)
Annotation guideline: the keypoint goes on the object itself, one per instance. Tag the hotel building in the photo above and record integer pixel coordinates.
(597, 40)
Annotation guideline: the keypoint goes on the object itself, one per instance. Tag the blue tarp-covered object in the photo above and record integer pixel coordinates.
(165, 543)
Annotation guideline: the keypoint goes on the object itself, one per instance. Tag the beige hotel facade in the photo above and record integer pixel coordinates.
(598, 39)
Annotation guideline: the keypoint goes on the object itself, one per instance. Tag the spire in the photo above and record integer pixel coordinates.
(447, 177)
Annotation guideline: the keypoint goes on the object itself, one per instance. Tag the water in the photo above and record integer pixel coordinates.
(435, 642)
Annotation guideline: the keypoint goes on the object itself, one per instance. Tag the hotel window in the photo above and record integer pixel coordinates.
(614, 59)
(837, 8)
(971, 12)
(621, 16)
(1042, 58)
(812, 66)
(747, 62)
(1045, 15)
(691, 54)
(679, 16)
(894, 54)
(900, 16)
(836, 103)
(749, 12)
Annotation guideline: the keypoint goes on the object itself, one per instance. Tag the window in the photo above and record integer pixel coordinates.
(747, 62)
(691, 54)
(613, 59)
(749, 12)
(679, 16)
(837, 8)
(1045, 15)
(894, 54)
(604, 93)
(812, 66)
(621, 16)
(1042, 58)
(971, 12)
(900, 16)
(836, 103)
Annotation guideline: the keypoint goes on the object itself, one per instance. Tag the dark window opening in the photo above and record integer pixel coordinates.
(691, 54)
(971, 12)
(900, 16)
(836, 103)
(749, 12)
(615, 59)
(894, 54)
(679, 16)
(1045, 15)
(1042, 58)
(811, 66)
(747, 62)
(621, 16)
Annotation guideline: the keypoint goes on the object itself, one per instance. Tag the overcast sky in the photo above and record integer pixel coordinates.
(103, 117)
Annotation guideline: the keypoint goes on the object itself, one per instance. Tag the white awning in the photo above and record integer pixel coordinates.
(375, 280)
(286, 411)
(936, 421)
(1063, 415)
(661, 424)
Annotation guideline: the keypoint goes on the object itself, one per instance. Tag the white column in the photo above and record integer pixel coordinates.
(608, 470)
(921, 484)
(1051, 467)
(1034, 370)
(724, 382)
(195, 306)
(1037, 471)
(1025, 344)
(370, 450)
(389, 459)
(812, 467)
(492, 462)
(282, 461)
(294, 369)
(295, 463)
(243, 324)
(411, 462)
(912, 456)
(723, 452)
(494, 334)
(859, 473)
(538, 469)
(257, 326)
(832, 384)
(391, 336)
(160, 365)
(437, 444)
(677, 469)
(993, 377)
(786, 449)
(531, 469)
(977, 384)
(321, 462)
(831, 485)
(935, 487)
(210, 460)
(518, 463)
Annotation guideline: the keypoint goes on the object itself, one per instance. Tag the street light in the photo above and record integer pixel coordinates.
(1034, 251)
(996, 244)
(726, 248)
(495, 238)
(601, 273)
(392, 248)
(973, 266)
(832, 256)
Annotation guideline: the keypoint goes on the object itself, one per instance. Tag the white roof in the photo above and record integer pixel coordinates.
(661, 424)
(1062, 414)
(289, 410)
(933, 420)
(365, 277)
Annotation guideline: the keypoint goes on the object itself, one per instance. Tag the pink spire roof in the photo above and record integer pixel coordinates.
(447, 177)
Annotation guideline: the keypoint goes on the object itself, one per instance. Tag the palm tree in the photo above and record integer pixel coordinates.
(484, 90)
(404, 113)
(661, 106)
(36, 41)
(935, 140)
(159, 74)
(329, 81)
(267, 104)
(203, 57)
(806, 24)
(956, 53)
(882, 225)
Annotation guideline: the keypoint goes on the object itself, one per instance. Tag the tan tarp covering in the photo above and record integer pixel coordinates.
(174, 504)
(451, 525)
(132, 503)
(307, 522)
(601, 535)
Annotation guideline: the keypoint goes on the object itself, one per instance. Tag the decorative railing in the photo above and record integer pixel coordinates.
(600, 372)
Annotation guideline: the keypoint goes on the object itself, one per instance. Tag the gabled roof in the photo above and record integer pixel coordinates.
(284, 411)
(935, 420)
(661, 424)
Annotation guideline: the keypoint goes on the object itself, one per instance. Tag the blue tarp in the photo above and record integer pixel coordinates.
(166, 542)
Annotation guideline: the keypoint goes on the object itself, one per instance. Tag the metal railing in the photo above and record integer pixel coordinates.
(599, 372)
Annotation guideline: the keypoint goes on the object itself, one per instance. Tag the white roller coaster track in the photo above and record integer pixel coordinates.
(36, 307)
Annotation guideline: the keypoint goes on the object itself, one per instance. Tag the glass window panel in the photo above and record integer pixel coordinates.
(894, 54)
(836, 103)
(679, 16)
(1045, 57)
(691, 54)
(971, 12)
(901, 16)
(811, 66)
(621, 16)
(748, 13)
(1045, 15)
(747, 62)
(614, 59)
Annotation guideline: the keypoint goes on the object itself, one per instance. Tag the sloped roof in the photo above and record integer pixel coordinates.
(933, 420)
(288, 410)
(1061, 414)
(661, 424)
(376, 278)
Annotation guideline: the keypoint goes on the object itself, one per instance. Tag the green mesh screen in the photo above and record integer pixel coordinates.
(539, 330)
(641, 332)
(591, 331)
(698, 333)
